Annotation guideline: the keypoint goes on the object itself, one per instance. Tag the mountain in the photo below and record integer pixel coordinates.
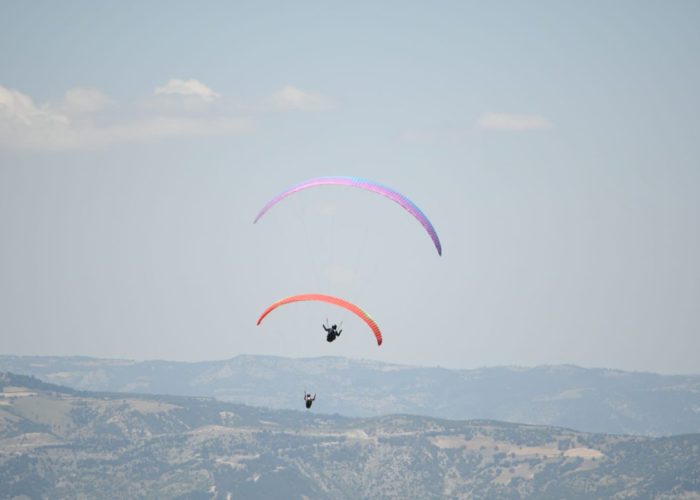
(61, 443)
(593, 400)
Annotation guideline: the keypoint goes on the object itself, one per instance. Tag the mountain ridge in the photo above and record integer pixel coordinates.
(588, 399)
(56, 442)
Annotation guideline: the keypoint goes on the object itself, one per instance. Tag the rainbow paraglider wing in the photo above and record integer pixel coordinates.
(331, 300)
(368, 185)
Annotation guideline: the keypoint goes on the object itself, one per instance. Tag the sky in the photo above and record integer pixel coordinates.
(555, 146)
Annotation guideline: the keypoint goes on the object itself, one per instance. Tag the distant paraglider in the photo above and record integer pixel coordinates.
(308, 400)
(361, 183)
(331, 300)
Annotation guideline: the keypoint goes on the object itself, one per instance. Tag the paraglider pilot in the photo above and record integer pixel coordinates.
(308, 399)
(332, 332)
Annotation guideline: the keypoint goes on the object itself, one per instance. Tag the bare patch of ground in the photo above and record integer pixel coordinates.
(583, 453)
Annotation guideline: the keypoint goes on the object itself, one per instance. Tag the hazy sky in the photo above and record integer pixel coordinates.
(554, 145)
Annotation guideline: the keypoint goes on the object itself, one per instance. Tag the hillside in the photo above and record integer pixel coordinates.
(593, 400)
(57, 442)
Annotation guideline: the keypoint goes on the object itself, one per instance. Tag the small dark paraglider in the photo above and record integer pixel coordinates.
(308, 399)
(332, 332)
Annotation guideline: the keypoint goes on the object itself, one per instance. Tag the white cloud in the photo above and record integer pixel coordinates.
(19, 108)
(84, 100)
(293, 98)
(190, 88)
(507, 121)
(182, 95)
(66, 126)
(86, 118)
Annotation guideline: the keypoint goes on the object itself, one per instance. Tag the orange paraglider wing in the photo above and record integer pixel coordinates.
(331, 300)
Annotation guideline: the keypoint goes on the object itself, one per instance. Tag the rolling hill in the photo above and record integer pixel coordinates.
(593, 400)
(62, 443)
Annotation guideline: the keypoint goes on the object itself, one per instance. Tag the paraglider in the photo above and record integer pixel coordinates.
(308, 400)
(365, 184)
(332, 332)
(331, 300)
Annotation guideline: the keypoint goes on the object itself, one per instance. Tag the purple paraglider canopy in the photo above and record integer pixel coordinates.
(361, 183)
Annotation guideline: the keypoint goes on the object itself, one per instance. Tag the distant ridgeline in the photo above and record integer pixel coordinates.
(593, 400)
(57, 443)
(9, 380)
